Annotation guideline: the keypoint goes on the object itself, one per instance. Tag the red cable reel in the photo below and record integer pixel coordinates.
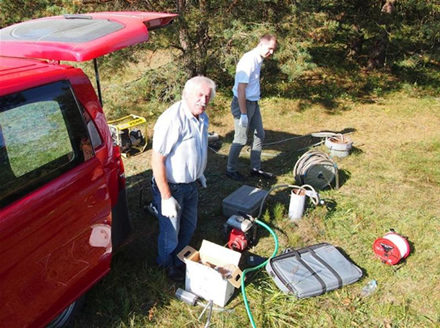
(391, 248)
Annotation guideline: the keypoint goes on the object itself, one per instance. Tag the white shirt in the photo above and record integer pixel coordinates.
(183, 140)
(248, 71)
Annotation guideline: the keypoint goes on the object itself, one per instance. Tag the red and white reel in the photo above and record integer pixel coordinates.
(391, 248)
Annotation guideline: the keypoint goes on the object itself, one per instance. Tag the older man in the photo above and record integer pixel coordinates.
(245, 108)
(180, 150)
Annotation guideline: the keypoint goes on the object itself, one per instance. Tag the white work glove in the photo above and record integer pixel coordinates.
(243, 120)
(202, 181)
(170, 207)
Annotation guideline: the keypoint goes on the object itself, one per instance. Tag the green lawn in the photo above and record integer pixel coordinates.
(390, 180)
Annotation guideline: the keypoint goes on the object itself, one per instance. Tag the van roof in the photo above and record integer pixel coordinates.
(23, 73)
(19, 66)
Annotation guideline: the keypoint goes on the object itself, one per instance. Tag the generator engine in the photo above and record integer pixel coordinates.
(127, 134)
(240, 232)
(129, 139)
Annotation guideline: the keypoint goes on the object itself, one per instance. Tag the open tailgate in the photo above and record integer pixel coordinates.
(79, 37)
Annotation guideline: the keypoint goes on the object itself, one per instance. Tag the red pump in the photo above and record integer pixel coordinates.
(237, 240)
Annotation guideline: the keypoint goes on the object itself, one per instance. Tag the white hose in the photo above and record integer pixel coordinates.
(314, 197)
(316, 168)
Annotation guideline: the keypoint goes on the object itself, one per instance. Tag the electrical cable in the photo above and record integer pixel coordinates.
(314, 134)
(322, 135)
(287, 139)
(248, 150)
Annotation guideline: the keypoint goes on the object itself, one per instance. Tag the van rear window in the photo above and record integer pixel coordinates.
(42, 135)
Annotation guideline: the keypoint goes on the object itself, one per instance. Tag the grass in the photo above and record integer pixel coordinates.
(390, 180)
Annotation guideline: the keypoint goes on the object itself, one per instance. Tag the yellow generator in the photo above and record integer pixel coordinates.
(128, 133)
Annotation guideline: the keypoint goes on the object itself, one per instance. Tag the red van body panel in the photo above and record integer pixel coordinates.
(56, 240)
(46, 253)
(27, 73)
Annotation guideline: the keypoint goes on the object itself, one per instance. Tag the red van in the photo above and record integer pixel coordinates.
(63, 207)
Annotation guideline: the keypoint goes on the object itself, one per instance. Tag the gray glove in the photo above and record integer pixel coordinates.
(202, 181)
(243, 120)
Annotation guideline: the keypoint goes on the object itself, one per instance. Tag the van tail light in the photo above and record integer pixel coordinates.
(120, 165)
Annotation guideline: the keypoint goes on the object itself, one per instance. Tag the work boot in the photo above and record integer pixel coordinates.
(261, 173)
(235, 175)
(176, 274)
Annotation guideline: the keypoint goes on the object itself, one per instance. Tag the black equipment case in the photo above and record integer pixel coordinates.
(313, 270)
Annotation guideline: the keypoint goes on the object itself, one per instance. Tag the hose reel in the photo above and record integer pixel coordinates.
(317, 169)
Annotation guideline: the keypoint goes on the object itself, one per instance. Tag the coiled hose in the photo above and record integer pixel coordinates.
(316, 168)
(243, 289)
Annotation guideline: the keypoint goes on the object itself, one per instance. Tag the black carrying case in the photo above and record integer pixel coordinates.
(313, 270)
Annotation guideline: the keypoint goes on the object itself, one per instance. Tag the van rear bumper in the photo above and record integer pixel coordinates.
(121, 222)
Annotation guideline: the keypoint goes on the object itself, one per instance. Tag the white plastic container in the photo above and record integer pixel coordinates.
(297, 203)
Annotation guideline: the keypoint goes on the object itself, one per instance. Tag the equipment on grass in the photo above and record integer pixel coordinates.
(242, 279)
(339, 145)
(317, 169)
(391, 248)
(186, 296)
(298, 200)
(240, 232)
(312, 271)
(245, 200)
(128, 135)
(241, 207)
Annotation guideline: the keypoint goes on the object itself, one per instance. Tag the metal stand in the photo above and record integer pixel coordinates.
(208, 321)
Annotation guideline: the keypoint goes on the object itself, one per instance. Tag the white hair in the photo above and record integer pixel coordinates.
(198, 81)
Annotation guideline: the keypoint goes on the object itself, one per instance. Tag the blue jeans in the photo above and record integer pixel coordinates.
(175, 234)
(255, 125)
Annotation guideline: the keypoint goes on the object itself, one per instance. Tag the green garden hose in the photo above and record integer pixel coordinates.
(243, 290)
